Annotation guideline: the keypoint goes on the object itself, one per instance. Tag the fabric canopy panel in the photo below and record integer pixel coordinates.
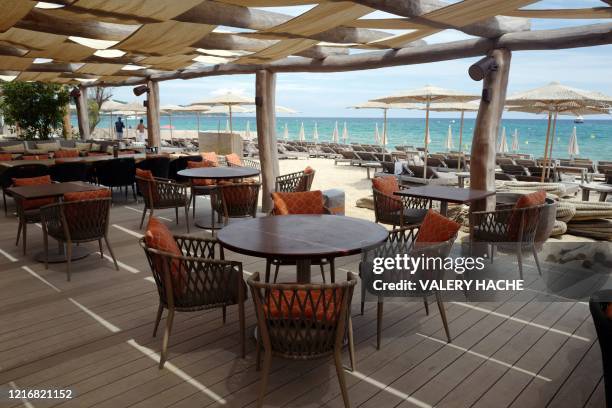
(100, 69)
(32, 40)
(13, 11)
(42, 77)
(169, 37)
(65, 52)
(15, 63)
(170, 62)
(154, 9)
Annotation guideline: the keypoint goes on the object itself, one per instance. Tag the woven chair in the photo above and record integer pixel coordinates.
(69, 171)
(293, 210)
(158, 165)
(20, 171)
(294, 182)
(115, 173)
(244, 162)
(76, 222)
(159, 194)
(303, 322)
(513, 228)
(195, 281)
(234, 201)
(399, 212)
(401, 242)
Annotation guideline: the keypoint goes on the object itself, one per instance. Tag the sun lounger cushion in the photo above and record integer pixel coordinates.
(307, 202)
(302, 185)
(6, 156)
(211, 157)
(34, 181)
(233, 159)
(34, 157)
(436, 228)
(334, 201)
(159, 237)
(525, 201)
(87, 195)
(15, 148)
(298, 304)
(386, 185)
(60, 154)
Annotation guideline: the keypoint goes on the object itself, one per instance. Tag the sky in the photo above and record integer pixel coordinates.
(330, 94)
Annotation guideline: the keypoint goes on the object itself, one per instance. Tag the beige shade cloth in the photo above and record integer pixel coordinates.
(100, 69)
(168, 37)
(270, 3)
(556, 94)
(386, 24)
(65, 51)
(8, 63)
(226, 99)
(157, 9)
(429, 94)
(196, 108)
(42, 77)
(382, 105)
(453, 107)
(32, 40)
(458, 14)
(170, 62)
(223, 109)
(13, 11)
(112, 106)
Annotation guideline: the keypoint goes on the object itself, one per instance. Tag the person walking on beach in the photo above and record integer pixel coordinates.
(119, 126)
(141, 131)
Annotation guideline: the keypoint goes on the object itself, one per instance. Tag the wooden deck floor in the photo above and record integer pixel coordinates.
(93, 335)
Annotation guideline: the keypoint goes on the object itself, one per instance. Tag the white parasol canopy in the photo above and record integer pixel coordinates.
(197, 109)
(229, 100)
(335, 134)
(345, 134)
(572, 148)
(302, 135)
(315, 133)
(282, 109)
(377, 135)
(286, 132)
(515, 141)
(503, 142)
(427, 95)
(449, 139)
(247, 132)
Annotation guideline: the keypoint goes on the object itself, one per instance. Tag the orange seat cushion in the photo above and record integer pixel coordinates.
(34, 181)
(525, 201)
(62, 154)
(87, 195)
(145, 174)
(307, 202)
(198, 165)
(436, 228)
(6, 156)
(302, 186)
(233, 159)
(297, 304)
(159, 237)
(211, 157)
(35, 157)
(388, 185)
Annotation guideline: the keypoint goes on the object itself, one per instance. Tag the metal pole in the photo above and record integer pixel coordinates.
(460, 142)
(426, 141)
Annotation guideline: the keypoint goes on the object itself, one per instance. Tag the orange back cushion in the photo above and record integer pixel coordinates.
(386, 185)
(307, 202)
(525, 201)
(87, 195)
(159, 237)
(233, 159)
(34, 157)
(298, 304)
(34, 181)
(436, 228)
(303, 185)
(211, 157)
(145, 174)
(6, 156)
(200, 164)
(61, 154)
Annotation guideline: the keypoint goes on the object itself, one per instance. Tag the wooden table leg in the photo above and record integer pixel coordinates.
(303, 270)
(443, 208)
(585, 194)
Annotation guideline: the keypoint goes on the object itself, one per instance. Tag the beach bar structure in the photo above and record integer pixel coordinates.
(165, 39)
(141, 43)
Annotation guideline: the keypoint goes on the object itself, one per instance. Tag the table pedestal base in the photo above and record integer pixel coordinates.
(302, 267)
(78, 252)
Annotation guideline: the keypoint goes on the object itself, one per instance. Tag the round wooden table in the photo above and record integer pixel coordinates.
(302, 238)
(216, 173)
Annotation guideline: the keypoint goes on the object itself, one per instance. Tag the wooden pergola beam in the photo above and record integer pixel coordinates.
(414, 9)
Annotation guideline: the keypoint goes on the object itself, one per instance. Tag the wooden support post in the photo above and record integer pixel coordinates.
(460, 161)
(153, 131)
(265, 89)
(482, 164)
(66, 124)
(82, 107)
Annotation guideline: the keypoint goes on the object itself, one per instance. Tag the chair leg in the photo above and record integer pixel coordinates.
(212, 223)
(160, 311)
(242, 323)
(443, 315)
(277, 267)
(224, 309)
(322, 272)
(18, 233)
(110, 250)
(268, 265)
(68, 258)
(332, 270)
(265, 373)
(24, 229)
(519, 257)
(193, 199)
(341, 379)
(176, 214)
(101, 250)
(46, 244)
(426, 305)
(363, 294)
(535, 257)
(144, 213)
(134, 193)
(164, 352)
(187, 217)
(351, 343)
(379, 316)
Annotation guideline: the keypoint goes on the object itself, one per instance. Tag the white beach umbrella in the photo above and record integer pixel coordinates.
(197, 109)
(503, 142)
(228, 128)
(427, 95)
(315, 133)
(515, 141)
(286, 132)
(428, 138)
(449, 139)
(335, 134)
(572, 148)
(377, 135)
(302, 135)
(169, 109)
(247, 132)
(345, 134)
(282, 109)
(230, 100)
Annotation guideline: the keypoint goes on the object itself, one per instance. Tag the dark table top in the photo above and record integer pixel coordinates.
(302, 236)
(445, 193)
(85, 159)
(50, 190)
(219, 172)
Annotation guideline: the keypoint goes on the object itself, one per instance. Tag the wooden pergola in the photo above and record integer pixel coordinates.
(143, 42)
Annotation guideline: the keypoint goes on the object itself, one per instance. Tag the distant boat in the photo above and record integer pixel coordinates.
(579, 119)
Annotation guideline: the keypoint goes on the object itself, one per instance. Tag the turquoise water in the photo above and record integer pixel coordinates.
(594, 136)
